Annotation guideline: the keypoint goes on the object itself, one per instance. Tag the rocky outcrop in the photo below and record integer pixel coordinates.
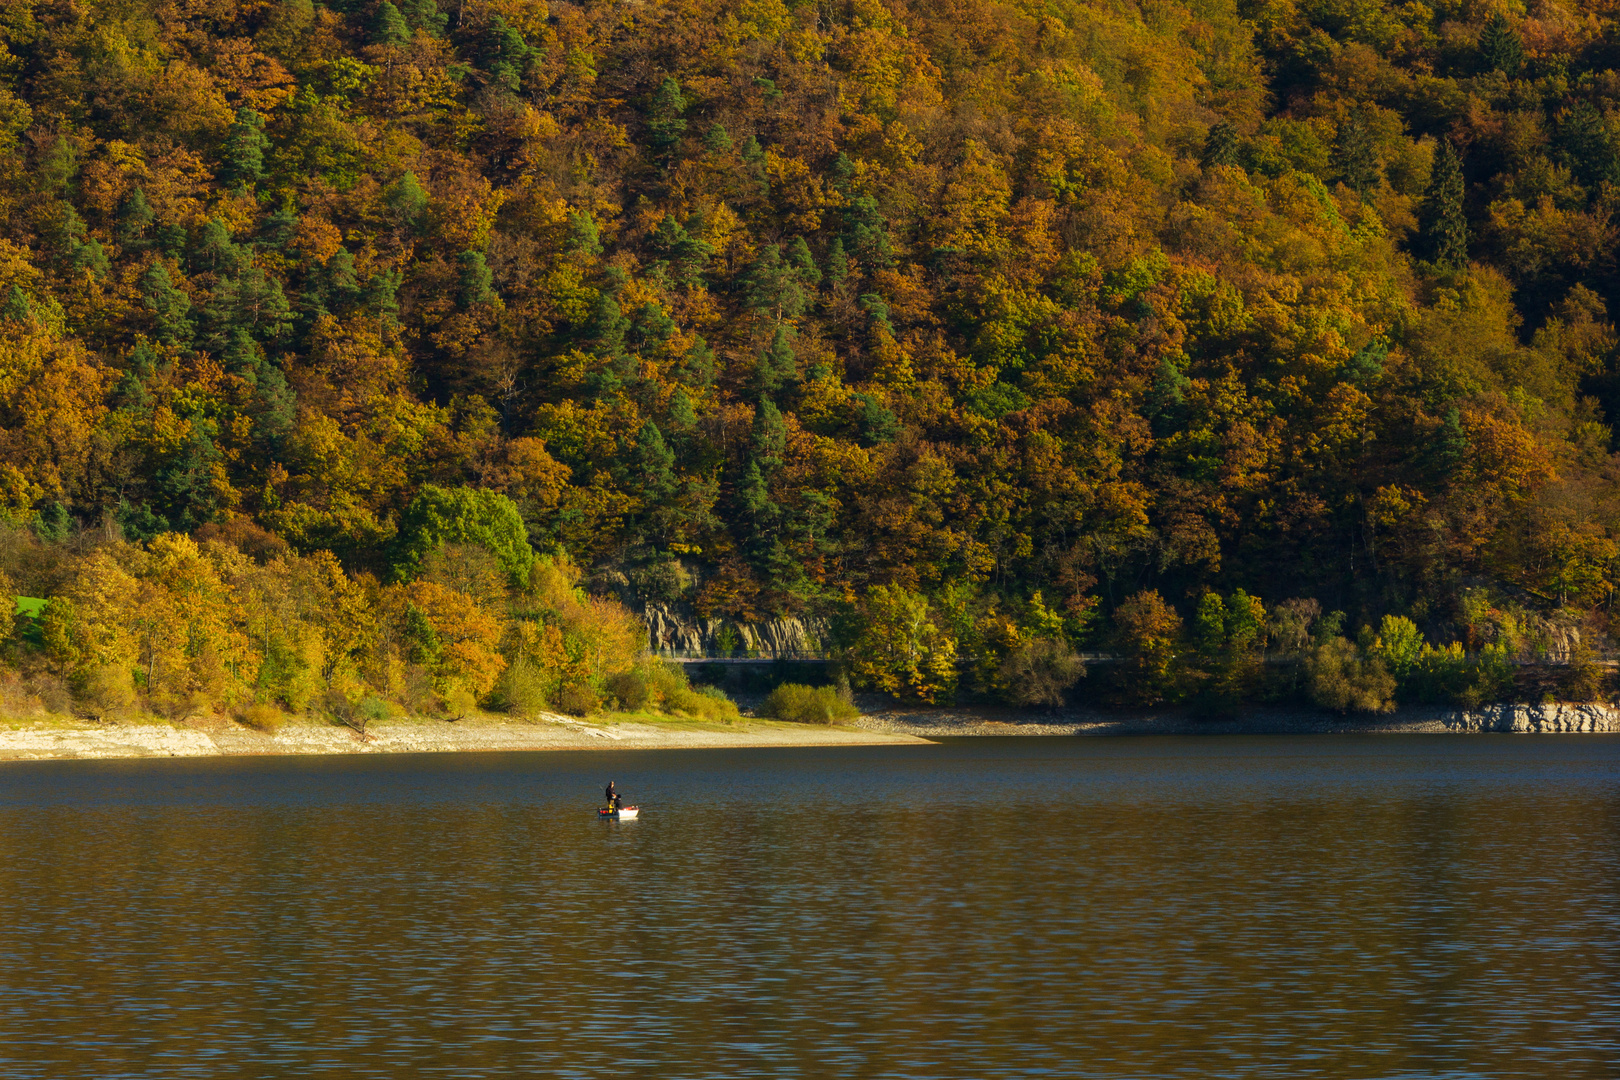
(1541, 719)
(670, 630)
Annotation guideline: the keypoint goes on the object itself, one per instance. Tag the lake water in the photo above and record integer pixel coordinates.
(1395, 907)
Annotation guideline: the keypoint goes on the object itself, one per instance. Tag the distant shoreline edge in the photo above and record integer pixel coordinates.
(882, 727)
(1545, 719)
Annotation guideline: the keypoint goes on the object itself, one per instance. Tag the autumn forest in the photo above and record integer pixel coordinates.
(379, 355)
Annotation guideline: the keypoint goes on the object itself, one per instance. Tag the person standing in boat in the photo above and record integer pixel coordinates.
(612, 794)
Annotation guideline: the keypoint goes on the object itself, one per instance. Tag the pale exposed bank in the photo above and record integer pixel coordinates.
(69, 739)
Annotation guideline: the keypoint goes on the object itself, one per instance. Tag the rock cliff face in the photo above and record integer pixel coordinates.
(685, 634)
(1543, 719)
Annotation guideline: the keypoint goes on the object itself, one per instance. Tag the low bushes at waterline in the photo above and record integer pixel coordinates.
(662, 687)
(808, 705)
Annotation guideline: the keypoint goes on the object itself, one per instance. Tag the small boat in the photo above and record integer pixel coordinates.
(623, 813)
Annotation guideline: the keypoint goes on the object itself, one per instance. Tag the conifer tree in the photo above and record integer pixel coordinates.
(866, 234)
(718, 140)
(681, 416)
(769, 436)
(608, 324)
(212, 251)
(837, 265)
(1220, 146)
(803, 263)
(777, 365)
(389, 28)
(504, 54)
(584, 236)
(342, 286)
(134, 218)
(653, 465)
(666, 122)
(169, 306)
(17, 308)
(1588, 148)
(697, 367)
(1355, 154)
(381, 295)
(476, 281)
(774, 287)
(1445, 221)
(687, 254)
(407, 199)
(242, 155)
(425, 16)
(1500, 47)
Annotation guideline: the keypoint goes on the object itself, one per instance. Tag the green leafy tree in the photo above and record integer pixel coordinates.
(896, 645)
(408, 200)
(1229, 635)
(1400, 644)
(461, 515)
(1343, 678)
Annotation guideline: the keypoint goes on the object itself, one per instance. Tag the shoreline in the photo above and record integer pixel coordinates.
(222, 738)
(1549, 719)
(63, 739)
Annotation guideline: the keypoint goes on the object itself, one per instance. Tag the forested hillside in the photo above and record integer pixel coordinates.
(988, 331)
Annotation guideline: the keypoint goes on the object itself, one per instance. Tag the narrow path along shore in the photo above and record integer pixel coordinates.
(548, 732)
(1259, 720)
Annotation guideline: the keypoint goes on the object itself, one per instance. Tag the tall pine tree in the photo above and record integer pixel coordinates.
(242, 156)
(1445, 222)
(1500, 48)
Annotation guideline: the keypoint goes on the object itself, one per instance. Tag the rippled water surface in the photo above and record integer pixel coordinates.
(1356, 907)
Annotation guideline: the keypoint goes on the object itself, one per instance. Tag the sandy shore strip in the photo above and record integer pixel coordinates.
(548, 732)
(1261, 720)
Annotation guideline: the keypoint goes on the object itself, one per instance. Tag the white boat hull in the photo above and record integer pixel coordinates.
(624, 813)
